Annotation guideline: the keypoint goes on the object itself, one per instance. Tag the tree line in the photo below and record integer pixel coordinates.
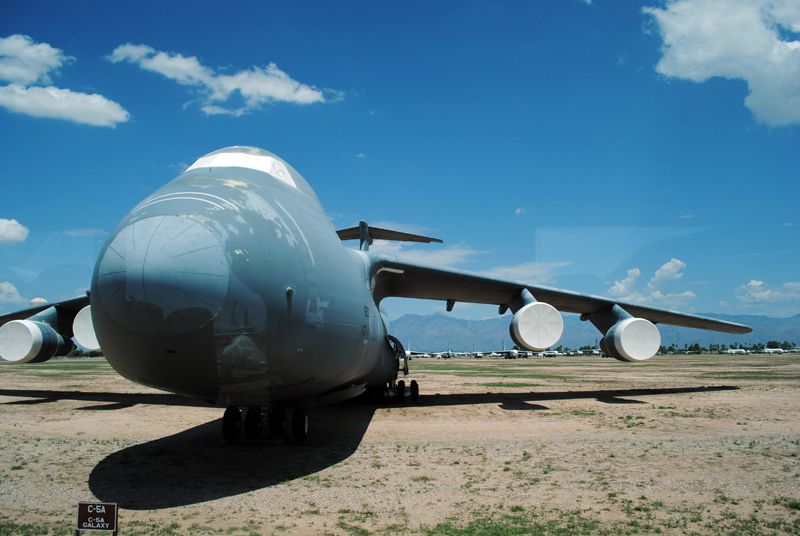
(717, 348)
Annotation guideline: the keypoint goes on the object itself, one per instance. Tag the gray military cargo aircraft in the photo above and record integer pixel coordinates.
(229, 285)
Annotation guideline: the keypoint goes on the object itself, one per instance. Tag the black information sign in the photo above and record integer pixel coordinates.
(97, 516)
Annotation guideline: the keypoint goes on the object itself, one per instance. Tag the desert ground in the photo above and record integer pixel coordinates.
(679, 444)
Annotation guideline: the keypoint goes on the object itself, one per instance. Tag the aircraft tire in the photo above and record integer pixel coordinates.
(231, 424)
(401, 391)
(252, 422)
(414, 390)
(297, 431)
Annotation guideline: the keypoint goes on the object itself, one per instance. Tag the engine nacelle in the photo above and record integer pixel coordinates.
(536, 326)
(29, 341)
(632, 339)
(83, 329)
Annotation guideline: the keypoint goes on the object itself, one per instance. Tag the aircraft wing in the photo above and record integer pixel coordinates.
(394, 277)
(69, 307)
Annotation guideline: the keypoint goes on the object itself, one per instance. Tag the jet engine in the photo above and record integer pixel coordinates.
(536, 326)
(83, 329)
(47, 334)
(632, 339)
(30, 341)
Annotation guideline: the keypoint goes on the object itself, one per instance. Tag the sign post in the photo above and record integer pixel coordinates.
(97, 516)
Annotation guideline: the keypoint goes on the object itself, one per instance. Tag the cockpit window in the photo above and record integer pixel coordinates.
(257, 159)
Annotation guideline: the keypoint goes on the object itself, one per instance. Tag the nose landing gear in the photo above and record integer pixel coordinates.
(289, 423)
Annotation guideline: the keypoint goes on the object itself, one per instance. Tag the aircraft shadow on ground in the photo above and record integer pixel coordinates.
(197, 465)
(515, 401)
(114, 400)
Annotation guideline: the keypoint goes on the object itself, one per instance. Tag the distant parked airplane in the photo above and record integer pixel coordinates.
(230, 285)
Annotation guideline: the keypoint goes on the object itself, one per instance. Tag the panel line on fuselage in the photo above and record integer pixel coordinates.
(299, 230)
(177, 198)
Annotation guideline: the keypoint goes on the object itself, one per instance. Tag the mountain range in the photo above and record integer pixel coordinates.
(441, 332)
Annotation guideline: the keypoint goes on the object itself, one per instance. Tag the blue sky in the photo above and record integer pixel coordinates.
(648, 151)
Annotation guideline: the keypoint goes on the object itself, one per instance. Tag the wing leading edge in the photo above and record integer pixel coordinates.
(395, 278)
(68, 307)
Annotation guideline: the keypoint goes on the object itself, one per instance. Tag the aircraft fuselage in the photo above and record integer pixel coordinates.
(230, 285)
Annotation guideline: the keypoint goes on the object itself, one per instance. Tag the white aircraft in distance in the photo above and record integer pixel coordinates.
(774, 351)
(230, 285)
(736, 351)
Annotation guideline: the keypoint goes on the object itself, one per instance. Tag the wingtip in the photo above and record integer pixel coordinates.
(740, 329)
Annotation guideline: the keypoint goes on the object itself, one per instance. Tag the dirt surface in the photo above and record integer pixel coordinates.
(704, 444)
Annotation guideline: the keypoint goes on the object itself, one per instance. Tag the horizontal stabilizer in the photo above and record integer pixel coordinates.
(367, 234)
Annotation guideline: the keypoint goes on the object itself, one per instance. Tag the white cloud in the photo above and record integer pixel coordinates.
(678, 299)
(519, 211)
(360, 156)
(707, 38)
(180, 167)
(22, 61)
(443, 256)
(9, 293)
(38, 301)
(625, 286)
(453, 256)
(755, 292)
(12, 231)
(56, 103)
(84, 231)
(529, 272)
(186, 71)
(625, 289)
(256, 86)
(669, 271)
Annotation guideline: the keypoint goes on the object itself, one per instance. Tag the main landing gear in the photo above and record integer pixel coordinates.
(289, 423)
(396, 391)
(400, 393)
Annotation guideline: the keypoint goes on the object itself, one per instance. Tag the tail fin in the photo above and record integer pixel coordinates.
(367, 234)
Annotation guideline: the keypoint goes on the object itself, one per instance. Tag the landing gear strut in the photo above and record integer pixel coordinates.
(232, 424)
(296, 430)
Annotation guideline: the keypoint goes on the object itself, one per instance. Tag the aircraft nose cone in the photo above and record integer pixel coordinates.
(163, 275)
